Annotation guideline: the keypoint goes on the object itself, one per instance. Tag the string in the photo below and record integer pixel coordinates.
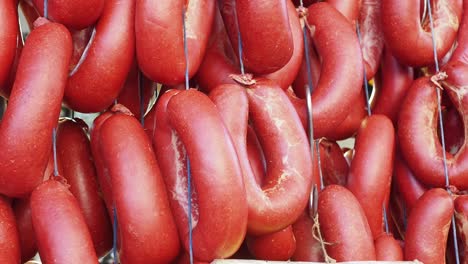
(46, 9)
(141, 98)
(54, 150)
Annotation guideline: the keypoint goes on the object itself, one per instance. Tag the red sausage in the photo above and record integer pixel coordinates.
(461, 52)
(418, 131)
(8, 38)
(371, 170)
(265, 31)
(372, 39)
(74, 156)
(100, 78)
(344, 226)
(334, 166)
(159, 38)
(409, 40)
(9, 237)
(349, 8)
(341, 78)
(219, 212)
(138, 193)
(392, 86)
(461, 219)
(27, 238)
(72, 13)
(428, 227)
(279, 245)
(33, 108)
(81, 40)
(282, 197)
(307, 247)
(388, 249)
(61, 231)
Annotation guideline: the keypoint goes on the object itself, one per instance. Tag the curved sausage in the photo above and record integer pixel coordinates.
(428, 227)
(61, 231)
(73, 14)
(75, 159)
(344, 226)
(282, 197)
(267, 41)
(219, 211)
(10, 250)
(138, 192)
(340, 83)
(307, 247)
(27, 238)
(418, 126)
(409, 40)
(33, 108)
(387, 248)
(279, 245)
(348, 8)
(371, 170)
(461, 52)
(392, 86)
(159, 38)
(100, 78)
(8, 38)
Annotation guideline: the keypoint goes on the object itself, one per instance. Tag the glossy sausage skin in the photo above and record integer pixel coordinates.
(428, 227)
(73, 14)
(61, 231)
(343, 224)
(387, 248)
(267, 41)
(371, 170)
(159, 38)
(100, 78)
(409, 40)
(340, 81)
(8, 38)
(74, 156)
(138, 192)
(219, 206)
(279, 245)
(10, 249)
(282, 197)
(33, 108)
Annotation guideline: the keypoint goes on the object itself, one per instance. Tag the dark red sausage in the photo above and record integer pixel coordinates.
(387, 248)
(282, 197)
(72, 13)
(334, 166)
(461, 52)
(344, 226)
(74, 156)
(8, 38)
(409, 40)
(100, 78)
(307, 247)
(371, 170)
(159, 38)
(10, 250)
(264, 27)
(27, 238)
(61, 231)
(279, 245)
(219, 211)
(372, 39)
(33, 108)
(147, 231)
(428, 227)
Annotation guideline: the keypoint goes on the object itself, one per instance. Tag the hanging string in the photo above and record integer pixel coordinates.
(384, 212)
(114, 235)
(54, 150)
(141, 98)
(189, 176)
(46, 9)
(441, 128)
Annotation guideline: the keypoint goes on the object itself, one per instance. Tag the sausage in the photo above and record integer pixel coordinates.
(33, 108)
(10, 250)
(307, 247)
(409, 40)
(27, 238)
(371, 170)
(81, 39)
(461, 52)
(348, 8)
(282, 197)
(64, 237)
(392, 85)
(8, 38)
(387, 248)
(160, 22)
(428, 227)
(95, 84)
(138, 191)
(267, 41)
(344, 226)
(219, 211)
(418, 125)
(333, 163)
(461, 218)
(279, 245)
(75, 159)
(339, 84)
(73, 14)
